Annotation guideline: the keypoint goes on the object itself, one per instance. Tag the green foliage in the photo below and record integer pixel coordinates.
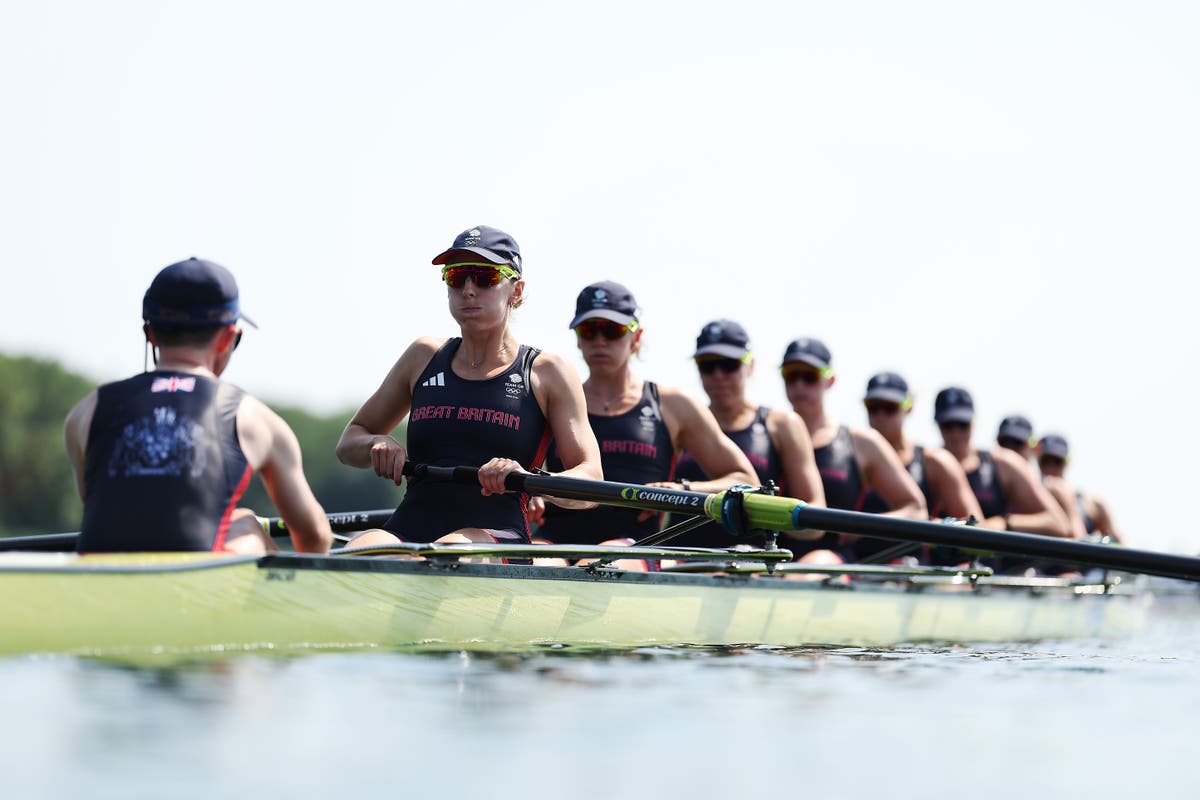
(37, 490)
(337, 487)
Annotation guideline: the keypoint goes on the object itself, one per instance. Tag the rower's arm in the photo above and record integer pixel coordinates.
(695, 429)
(1034, 510)
(1103, 520)
(559, 392)
(75, 431)
(1064, 495)
(274, 453)
(885, 473)
(374, 422)
(949, 485)
(802, 479)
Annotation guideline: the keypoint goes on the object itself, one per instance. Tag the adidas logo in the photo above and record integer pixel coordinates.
(436, 380)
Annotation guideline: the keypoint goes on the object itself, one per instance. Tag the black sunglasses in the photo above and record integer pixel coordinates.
(708, 366)
(954, 425)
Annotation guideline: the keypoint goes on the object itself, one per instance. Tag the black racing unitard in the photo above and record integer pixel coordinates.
(867, 546)
(459, 422)
(756, 443)
(844, 487)
(635, 447)
(985, 483)
(163, 469)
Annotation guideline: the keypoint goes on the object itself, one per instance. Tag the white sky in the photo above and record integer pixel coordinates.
(1004, 197)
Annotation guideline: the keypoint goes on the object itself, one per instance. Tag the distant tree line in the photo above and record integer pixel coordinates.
(37, 490)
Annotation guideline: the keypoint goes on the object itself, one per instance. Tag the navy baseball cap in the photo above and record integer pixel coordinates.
(193, 294)
(888, 386)
(953, 404)
(1015, 427)
(494, 245)
(809, 351)
(1054, 445)
(723, 337)
(605, 300)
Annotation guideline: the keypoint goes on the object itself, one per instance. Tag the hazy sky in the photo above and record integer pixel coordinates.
(1003, 196)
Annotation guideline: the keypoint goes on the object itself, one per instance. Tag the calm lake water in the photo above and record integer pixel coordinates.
(1075, 719)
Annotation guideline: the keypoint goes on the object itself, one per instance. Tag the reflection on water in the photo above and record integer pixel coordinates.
(1072, 718)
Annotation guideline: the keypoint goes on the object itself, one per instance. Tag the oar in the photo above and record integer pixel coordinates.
(275, 527)
(738, 509)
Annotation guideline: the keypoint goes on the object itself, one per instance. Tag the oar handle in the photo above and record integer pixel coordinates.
(630, 495)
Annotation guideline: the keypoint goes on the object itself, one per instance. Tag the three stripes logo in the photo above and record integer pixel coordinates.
(436, 380)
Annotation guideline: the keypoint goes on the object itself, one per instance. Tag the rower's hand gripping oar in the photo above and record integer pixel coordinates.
(788, 514)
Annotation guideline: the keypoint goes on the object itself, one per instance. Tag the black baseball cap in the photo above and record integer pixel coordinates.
(1054, 445)
(605, 300)
(193, 294)
(809, 351)
(888, 386)
(723, 337)
(953, 404)
(1015, 427)
(494, 245)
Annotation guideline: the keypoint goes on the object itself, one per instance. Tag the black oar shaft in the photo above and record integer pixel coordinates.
(781, 513)
(1049, 548)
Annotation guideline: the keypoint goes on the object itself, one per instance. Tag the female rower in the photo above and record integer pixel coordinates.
(852, 461)
(776, 441)
(479, 398)
(641, 426)
(937, 473)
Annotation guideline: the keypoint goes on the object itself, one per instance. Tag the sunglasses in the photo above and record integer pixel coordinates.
(484, 275)
(954, 425)
(1011, 443)
(807, 375)
(888, 409)
(1052, 461)
(591, 328)
(237, 339)
(708, 366)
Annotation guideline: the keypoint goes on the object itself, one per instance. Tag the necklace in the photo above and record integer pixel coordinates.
(608, 403)
(503, 352)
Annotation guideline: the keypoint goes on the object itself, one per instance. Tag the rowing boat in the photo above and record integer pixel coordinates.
(184, 603)
(447, 598)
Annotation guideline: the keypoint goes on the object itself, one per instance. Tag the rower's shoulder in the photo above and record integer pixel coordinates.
(680, 402)
(1007, 459)
(1060, 487)
(552, 369)
(870, 441)
(941, 458)
(425, 346)
(83, 410)
(782, 421)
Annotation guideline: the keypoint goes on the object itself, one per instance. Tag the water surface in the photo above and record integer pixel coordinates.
(1085, 718)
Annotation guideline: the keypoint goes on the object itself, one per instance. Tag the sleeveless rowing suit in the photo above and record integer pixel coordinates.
(455, 422)
(635, 447)
(756, 443)
(874, 504)
(163, 470)
(985, 484)
(844, 488)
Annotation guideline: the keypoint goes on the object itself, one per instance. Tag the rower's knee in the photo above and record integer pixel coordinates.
(375, 537)
(246, 536)
(468, 536)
